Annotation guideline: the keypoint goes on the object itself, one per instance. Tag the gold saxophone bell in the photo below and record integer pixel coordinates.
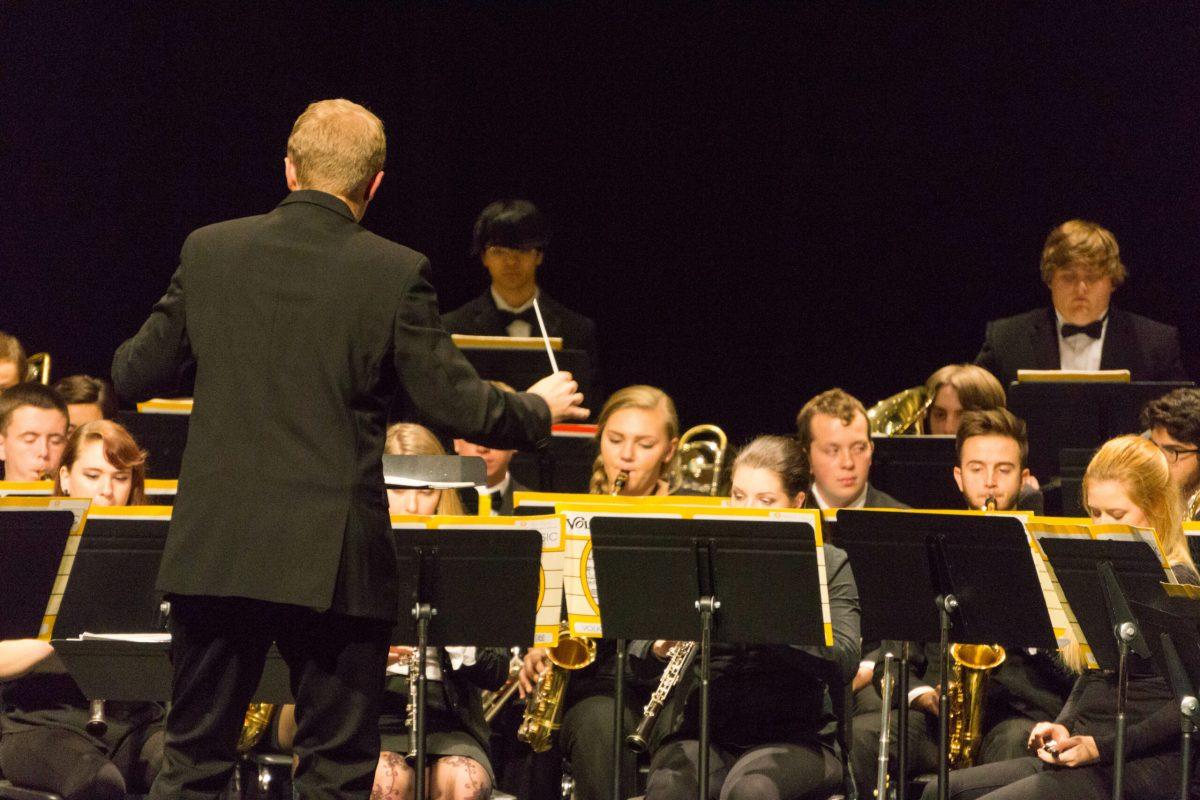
(903, 412)
(255, 724)
(966, 692)
(701, 456)
(543, 711)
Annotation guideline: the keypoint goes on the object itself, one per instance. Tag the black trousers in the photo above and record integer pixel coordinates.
(585, 742)
(767, 772)
(218, 649)
(1149, 778)
(69, 764)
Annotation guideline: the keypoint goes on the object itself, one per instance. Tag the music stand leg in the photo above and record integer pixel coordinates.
(1126, 632)
(423, 612)
(902, 728)
(946, 604)
(706, 605)
(618, 720)
(1188, 709)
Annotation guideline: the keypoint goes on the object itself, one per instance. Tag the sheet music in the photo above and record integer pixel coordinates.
(1062, 618)
(147, 638)
(26, 488)
(550, 584)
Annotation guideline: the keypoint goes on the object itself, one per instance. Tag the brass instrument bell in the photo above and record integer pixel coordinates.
(701, 457)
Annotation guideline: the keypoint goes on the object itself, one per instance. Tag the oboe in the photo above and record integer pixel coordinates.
(680, 658)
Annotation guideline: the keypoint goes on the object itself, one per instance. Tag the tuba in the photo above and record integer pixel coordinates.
(701, 457)
(254, 725)
(544, 709)
(903, 412)
(966, 692)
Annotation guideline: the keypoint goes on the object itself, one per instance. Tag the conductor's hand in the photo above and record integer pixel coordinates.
(561, 393)
(1042, 734)
(927, 702)
(532, 667)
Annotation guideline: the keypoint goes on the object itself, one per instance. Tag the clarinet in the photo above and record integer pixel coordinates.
(414, 669)
(680, 658)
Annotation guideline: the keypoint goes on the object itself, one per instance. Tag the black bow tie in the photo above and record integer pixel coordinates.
(508, 317)
(1092, 329)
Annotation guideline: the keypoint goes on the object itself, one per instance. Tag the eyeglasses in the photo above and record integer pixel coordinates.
(1173, 453)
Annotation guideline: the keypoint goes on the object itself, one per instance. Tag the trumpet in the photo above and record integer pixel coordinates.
(679, 658)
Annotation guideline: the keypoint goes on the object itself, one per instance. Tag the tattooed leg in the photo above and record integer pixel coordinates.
(461, 778)
(393, 778)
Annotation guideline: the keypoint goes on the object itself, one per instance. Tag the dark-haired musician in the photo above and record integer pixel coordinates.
(1081, 330)
(33, 431)
(1173, 423)
(773, 729)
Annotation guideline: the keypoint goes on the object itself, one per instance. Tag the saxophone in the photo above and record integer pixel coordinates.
(1193, 508)
(544, 709)
(254, 725)
(966, 692)
(679, 659)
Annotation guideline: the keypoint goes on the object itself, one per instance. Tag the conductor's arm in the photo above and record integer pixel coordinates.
(447, 391)
(151, 362)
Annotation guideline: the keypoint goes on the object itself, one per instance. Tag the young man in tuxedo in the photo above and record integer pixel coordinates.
(510, 239)
(1173, 423)
(33, 432)
(992, 449)
(303, 327)
(1081, 265)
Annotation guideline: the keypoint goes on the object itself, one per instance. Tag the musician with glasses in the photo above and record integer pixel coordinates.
(1173, 423)
(510, 239)
(773, 725)
(1081, 265)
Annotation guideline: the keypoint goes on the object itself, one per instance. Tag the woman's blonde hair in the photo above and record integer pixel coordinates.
(1141, 469)
(649, 398)
(410, 439)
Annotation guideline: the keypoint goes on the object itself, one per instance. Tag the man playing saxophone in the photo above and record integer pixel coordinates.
(992, 451)
(773, 729)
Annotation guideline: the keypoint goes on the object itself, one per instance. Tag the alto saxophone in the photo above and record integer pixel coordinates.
(679, 658)
(966, 691)
(544, 709)
(619, 482)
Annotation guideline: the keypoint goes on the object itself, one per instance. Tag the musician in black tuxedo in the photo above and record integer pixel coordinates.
(510, 239)
(1081, 264)
(1027, 687)
(303, 326)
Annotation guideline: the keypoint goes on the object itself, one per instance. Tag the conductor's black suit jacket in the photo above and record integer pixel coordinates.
(303, 326)
(1148, 349)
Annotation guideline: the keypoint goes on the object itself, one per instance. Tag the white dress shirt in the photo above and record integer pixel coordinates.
(518, 327)
(1080, 352)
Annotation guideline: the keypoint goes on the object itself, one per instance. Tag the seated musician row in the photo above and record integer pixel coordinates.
(638, 436)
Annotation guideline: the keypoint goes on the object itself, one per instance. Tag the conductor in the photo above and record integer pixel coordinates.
(303, 327)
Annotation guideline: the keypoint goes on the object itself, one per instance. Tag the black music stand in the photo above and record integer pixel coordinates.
(163, 436)
(1128, 572)
(921, 574)
(111, 589)
(522, 366)
(917, 470)
(1174, 640)
(465, 586)
(1079, 415)
(33, 541)
(699, 567)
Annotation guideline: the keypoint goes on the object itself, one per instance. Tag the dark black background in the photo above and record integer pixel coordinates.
(754, 202)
